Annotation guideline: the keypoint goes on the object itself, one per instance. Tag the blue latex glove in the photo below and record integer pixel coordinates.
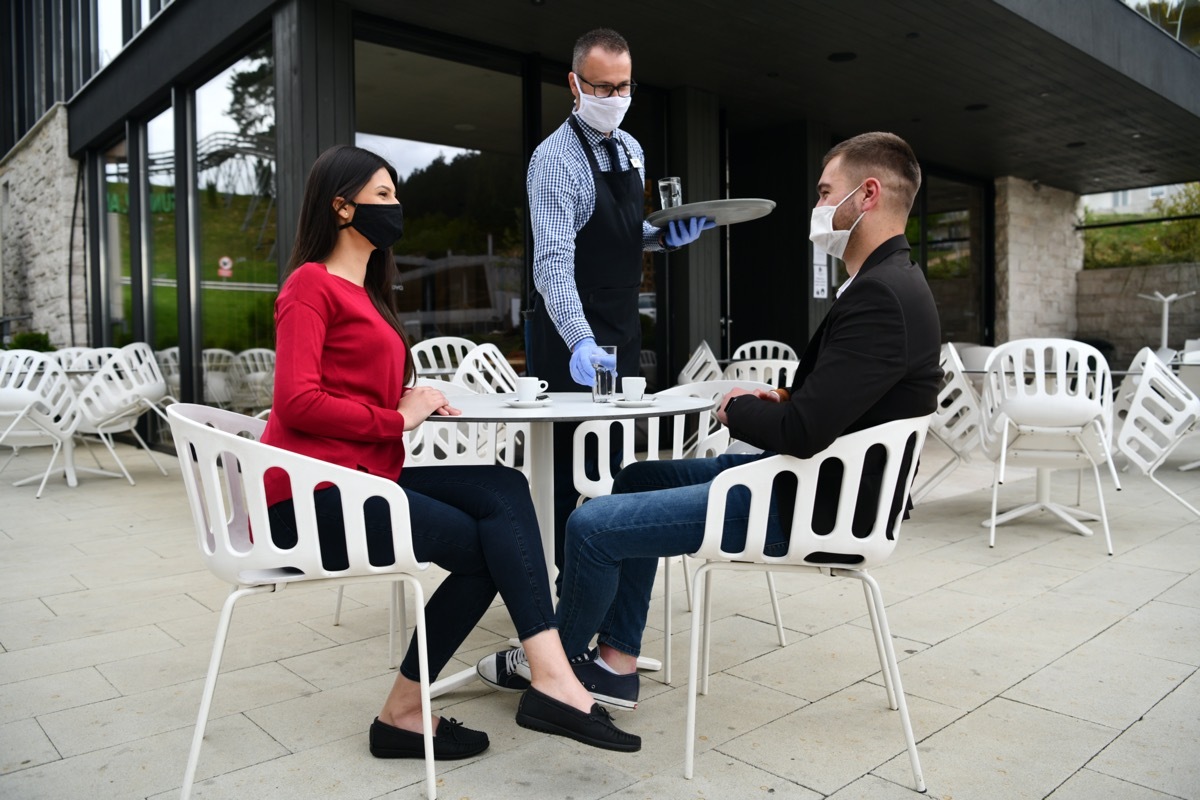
(681, 232)
(587, 353)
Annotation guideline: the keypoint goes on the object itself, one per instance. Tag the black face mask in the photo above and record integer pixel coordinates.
(381, 223)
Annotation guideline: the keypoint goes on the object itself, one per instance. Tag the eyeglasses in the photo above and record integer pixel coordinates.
(608, 90)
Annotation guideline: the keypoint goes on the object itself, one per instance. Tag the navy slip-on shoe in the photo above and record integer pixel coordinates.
(540, 712)
(452, 740)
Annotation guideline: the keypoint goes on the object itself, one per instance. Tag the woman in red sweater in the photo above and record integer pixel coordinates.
(344, 394)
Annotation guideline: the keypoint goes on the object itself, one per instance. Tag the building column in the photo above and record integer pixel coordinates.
(1038, 256)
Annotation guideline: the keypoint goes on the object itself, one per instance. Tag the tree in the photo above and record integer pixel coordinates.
(1179, 18)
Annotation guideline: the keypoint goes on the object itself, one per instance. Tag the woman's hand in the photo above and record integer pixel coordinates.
(419, 402)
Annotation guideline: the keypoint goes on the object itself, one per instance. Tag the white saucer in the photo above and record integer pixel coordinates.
(514, 403)
(621, 402)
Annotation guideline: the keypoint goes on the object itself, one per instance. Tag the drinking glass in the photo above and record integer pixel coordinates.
(606, 374)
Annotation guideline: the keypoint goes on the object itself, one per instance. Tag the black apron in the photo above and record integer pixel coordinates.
(608, 274)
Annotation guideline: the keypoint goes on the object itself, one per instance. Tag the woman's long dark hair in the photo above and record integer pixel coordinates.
(342, 171)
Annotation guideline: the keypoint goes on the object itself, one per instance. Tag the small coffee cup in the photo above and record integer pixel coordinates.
(633, 388)
(529, 388)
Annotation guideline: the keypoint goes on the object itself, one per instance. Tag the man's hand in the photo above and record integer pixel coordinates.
(681, 232)
(725, 401)
(586, 354)
(419, 402)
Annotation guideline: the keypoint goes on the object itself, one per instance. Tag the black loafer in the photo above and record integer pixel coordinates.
(451, 741)
(540, 712)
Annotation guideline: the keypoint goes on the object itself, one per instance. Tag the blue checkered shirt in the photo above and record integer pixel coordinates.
(562, 196)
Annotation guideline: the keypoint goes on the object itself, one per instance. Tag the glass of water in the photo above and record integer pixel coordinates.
(605, 364)
(670, 191)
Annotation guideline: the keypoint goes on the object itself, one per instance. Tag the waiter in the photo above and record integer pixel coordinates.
(586, 184)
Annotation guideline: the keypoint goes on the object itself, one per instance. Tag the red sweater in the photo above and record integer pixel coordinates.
(339, 374)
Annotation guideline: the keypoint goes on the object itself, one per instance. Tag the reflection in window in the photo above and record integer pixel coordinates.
(115, 235)
(235, 201)
(462, 183)
(162, 329)
(108, 31)
(953, 255)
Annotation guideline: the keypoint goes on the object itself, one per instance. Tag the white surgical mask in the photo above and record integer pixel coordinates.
(821, 232)
(602, 113)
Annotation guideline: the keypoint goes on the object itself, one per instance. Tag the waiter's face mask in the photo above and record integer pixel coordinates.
(821, 232)
(382, 224)
(602, 113)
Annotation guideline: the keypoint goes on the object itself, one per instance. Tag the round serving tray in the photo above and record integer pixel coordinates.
(723, 212)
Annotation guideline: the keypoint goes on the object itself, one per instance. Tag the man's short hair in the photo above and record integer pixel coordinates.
(883, 152)
(605, 38)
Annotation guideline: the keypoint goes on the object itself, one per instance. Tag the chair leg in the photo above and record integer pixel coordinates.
(666, 562)
(107, 439)
(337, 608)
(149, 452)
(210, 682)
(876, 597)
(879, 649)
(687, 581)
(919, 494)
(423, 666)
(1103, 509)
(775, 608)
(995, 495)
(706, 610)
(1166, 489)
(699, 585)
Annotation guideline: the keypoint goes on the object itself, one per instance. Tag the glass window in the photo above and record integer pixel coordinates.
(108, 30)
(115, 236)
(953, 255)
(162, 329)
(453, 132)
(235, 201)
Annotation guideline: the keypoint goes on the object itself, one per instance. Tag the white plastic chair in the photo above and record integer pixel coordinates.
(702, 366)
(255, 379)
(848, 550)
(66, 356)
(110, 404)
(765, 348)
(148, 380)
(974, 360)
(596, 436)
(219, 378)
(223, 465)
(1047, 403)
(484, 369)
(1160, 413)
(439, 356)
(37, 409)
(955, 422)
(777, 372)
(93, 358)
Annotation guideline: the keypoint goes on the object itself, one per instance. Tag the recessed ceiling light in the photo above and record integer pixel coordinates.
(1136, 136)
(975, 107)
(839, 58)
(1074, 145)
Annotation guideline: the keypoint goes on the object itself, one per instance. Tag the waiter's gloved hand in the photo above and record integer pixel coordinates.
(586, 352)
(681, 232)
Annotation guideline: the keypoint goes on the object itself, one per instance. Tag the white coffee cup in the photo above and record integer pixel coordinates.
(633, 388)
(529, 388)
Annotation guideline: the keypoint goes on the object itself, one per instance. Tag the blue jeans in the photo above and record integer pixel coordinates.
(613, 544)
(475, 522)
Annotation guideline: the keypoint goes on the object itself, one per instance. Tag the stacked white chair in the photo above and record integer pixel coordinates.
(484, 369)
(1047, 403)
(255, 379)
(168, 365)
(846, 551)
(220, 376)
(765, 348)
(439, 356)
(37, 409)
(109, 404)
(777, 372)
(1189, 374)
(148, 380)
(702, 366)
(1156, 417)
(955, 421)
(223, 464)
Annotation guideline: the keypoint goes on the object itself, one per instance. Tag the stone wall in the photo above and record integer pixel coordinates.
(1110, 309)
(1038, 256)
(37, 193)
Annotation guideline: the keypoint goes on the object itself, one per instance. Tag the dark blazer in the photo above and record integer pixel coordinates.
(874, 359)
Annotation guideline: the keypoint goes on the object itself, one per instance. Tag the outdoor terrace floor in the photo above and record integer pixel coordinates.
(1040, 668)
